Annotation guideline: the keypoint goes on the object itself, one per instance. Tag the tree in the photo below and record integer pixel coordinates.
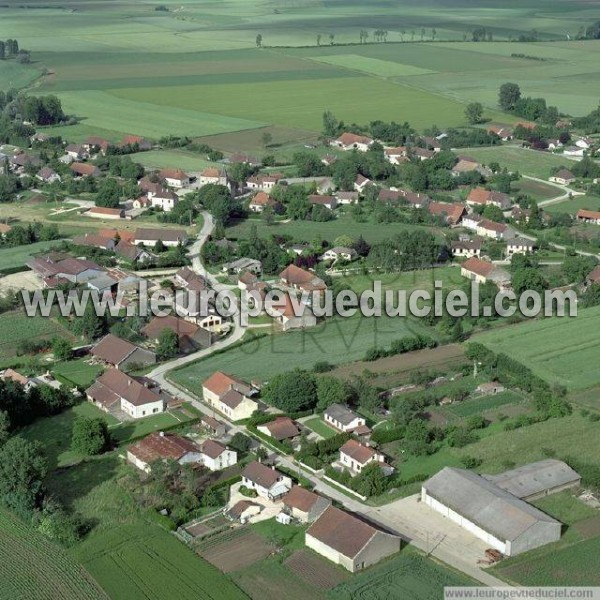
(330, 124)
(259, 40)
(528, 278)
(509, 95)
(371, 481)
(61, 348)
(168, 344)
(22, 471)
(331, 390)
(240, 442)
(292, 392)
(90, 325)
(474, 113)
(90, 436)
(2, 50)
(55, 523)
(109, 193)
(267, 138)
(4, 427)
(366, 395)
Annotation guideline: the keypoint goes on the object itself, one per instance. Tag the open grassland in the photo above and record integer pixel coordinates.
(561, 350)
(17, 327)
(529, 162)
(172, 159)
(536, 190)
(573, 205)
(32, 568)
(19, 255)
(306, 231)
(14, 75)
(337, 340)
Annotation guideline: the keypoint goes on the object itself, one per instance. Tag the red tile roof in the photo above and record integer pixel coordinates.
(300, 498)
(260, 474)
(159, 445)
(478, 266)
(357, 451)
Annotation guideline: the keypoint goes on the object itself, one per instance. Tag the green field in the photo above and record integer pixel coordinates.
(17, 327)
(77, 372)
(51, 572)
(172, 159)
(530, 162)
(577, 203)
(476, 406)
(561, 350)
(19, 255)
(337, 340)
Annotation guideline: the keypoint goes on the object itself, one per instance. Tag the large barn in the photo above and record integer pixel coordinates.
(537, 479)
(499, 518)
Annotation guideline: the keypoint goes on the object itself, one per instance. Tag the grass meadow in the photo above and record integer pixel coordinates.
(572, 206)
(561, 350)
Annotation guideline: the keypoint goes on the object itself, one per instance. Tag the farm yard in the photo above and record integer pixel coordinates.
(56, 574)
(561, 350)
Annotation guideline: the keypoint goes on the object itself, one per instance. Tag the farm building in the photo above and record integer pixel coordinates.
(452, 213)
(229, 395)
(492, 387)
(483, 271)
(499, 518)
(101, 212)
(296, 278)
(215, 456)
(190, 336)
(174, 177)
(243, 264)
(169, 237)
(162, 446)
(467, 248)
(291, 313)
(348, 541)
(537, 479)
(481, 197)
(588, 216)
(339, 253)
(304, 505)
(119, 353)
(563, 177)
(352, 141)
(268, 482)
(342, 418)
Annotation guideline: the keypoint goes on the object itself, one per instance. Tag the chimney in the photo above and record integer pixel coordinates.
(128, 382)
(161, 433)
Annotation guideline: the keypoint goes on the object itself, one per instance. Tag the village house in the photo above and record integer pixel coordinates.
(163, 446)
(77, 151)
(298, 279)
(94, 142)
(214, 176)
(467, 248)
(422, 153)
(466, 164)
(354, 456)
(303, 505)
(481, 197)
(291, 313)
(169, 237)
(261, 201)
(190, 280)
(588, 216)
(132, 253)
(47, 175)
(175, 178)
(11, 375)
(504, 133)
(452, 213)
(329, 159)
(537, 480)
(345, 198)
(349, 541)
(593, 277)
(280, 429)
(503, 521)
(352, 141)
(19, 162)
(263, 182)
(215, 456)
(343, 419)
(496, 231)
(340, 253)
(141, 203)
(121, 354)
(323, 200)
(244, 159)
(103, 212)
(483, 271)
(519, 245)
(115, 392)
(243, 511)
(266, 481)
(163, 199)
(190, 335)
(229, 395)
(396, 156)
(563, 177)
(84, 170)
(431, 143)
(361, 183)
(247, 280)
(142, 144)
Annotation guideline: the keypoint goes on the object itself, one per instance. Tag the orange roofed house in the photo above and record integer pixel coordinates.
(588, 216)
(229, 395)
(163, 446)
(355, 456)
(299, 279)
(483, 271)
(352, 141)
(349, 541)
(304, 505)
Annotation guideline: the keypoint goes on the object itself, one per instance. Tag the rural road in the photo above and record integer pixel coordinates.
(565, 189)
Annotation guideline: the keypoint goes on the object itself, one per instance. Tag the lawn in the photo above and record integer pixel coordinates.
(561, 350)
(132, 430)
(176, 159)
(17, 327)
(318, 426)
(77, 372)
(528, 162)
(33, 568)
(337, 340)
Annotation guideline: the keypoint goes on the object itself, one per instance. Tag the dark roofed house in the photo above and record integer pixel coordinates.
(304, 505)
(132, 253)
(342, 418)
(93, 240)
(563, 177)
(191, 336)
(349, 541)
(266, 481)
(84, 170)
(329, 202)
(121, 353)
(281, 428)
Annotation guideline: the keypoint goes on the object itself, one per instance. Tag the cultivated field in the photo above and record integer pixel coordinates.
(315, 571)
(561, 350)
(50, 574)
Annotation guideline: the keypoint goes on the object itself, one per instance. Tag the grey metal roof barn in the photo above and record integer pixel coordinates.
(484, 504)
(537, 479)
(341, 414)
